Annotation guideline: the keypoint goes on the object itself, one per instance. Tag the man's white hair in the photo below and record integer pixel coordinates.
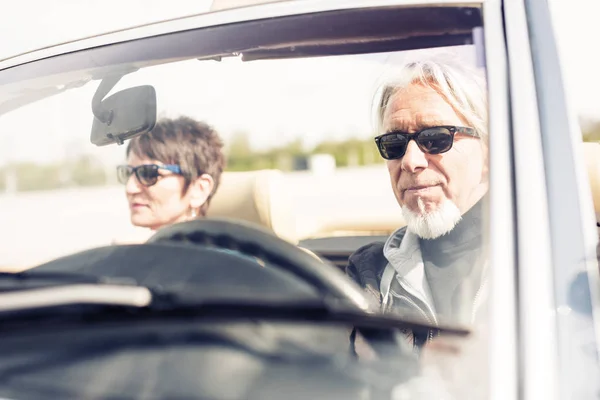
(462, 86)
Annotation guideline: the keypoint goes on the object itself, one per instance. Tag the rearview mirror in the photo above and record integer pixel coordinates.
(123, 115)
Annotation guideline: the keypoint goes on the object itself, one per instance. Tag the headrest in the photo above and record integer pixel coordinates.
(340, 209)
(591, 152)
(256, 196)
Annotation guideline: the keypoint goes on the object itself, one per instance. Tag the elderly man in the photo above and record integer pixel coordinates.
(433, 133)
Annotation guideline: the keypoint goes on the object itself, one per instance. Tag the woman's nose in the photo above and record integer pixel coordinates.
(133, 185)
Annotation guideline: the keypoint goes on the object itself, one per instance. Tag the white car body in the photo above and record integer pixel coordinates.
(540, 229)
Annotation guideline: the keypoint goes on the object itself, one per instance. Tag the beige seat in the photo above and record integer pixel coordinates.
(591, 153)
(259, 197)
(255, 196)
(374, 220)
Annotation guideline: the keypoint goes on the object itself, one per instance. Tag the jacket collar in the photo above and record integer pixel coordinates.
(403, 253)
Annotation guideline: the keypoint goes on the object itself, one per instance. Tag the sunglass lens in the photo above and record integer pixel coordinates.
(393, 146)
(435, 140)
(123, 173)
(147, 174)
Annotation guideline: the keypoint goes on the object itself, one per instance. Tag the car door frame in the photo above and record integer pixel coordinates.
(503, 373)
(573, 235)
(536, 323)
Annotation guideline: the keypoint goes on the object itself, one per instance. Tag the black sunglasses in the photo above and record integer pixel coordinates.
(146, 174)
(433, 140)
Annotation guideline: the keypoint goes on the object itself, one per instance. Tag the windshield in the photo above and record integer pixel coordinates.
(374, 164)
(312, 119)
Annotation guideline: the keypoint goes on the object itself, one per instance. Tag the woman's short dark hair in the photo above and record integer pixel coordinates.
(193, 145)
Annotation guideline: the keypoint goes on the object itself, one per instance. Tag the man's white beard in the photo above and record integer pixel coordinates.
(433, 224)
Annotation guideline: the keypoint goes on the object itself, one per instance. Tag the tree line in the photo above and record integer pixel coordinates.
(590, 130)
(86, 170)
(28, 176)
(294, 156)
(89, 171)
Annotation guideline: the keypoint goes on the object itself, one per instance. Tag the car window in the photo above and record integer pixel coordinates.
(576, 280)
(573, 38)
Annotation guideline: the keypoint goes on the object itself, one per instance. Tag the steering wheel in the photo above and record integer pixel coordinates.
(252, 240)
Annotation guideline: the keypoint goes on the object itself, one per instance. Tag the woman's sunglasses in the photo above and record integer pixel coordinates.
(433, 140)
(146, 174)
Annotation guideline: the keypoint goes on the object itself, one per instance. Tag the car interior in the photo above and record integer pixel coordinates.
(256, 197)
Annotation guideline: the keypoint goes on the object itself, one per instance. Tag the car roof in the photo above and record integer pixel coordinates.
(100, 27)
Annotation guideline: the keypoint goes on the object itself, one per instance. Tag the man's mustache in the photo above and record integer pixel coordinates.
(419, 184)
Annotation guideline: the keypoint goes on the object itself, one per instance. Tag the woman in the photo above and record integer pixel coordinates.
(172, 172)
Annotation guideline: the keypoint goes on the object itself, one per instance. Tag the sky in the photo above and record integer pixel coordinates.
(577, 35)
(276, 102)
(315, 99)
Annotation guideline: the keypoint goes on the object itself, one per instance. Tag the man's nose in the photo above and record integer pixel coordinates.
(414, 159)
(133, 185)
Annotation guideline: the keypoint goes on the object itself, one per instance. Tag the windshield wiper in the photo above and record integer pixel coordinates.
(132, 304)
(46, 298)
(301, 310)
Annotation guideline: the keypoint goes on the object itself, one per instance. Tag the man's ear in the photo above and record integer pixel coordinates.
(199, 190)
(485, 173)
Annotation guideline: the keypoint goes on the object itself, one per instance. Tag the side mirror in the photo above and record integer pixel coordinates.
(123, 115)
